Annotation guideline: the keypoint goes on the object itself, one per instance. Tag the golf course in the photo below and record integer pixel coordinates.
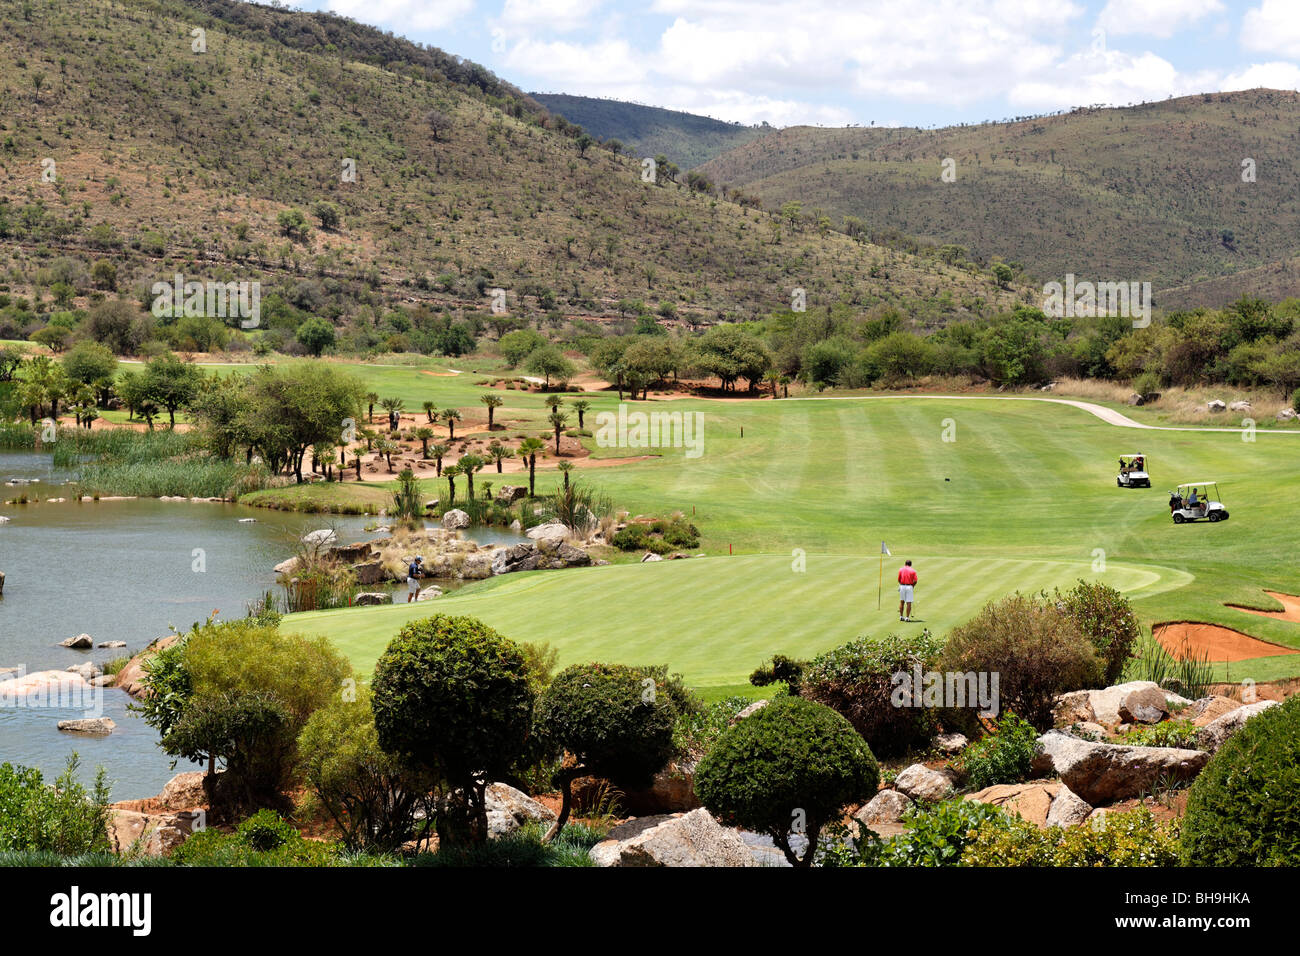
(794, 498)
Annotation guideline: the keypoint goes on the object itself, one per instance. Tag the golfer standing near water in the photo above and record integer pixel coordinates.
(906, 586)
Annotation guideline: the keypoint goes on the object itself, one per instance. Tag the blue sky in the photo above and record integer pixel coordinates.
(838, 62)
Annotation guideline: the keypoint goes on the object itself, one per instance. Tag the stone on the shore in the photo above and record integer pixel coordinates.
(455, 518)
(320, 538)
(98, 726)
(507, 495)
(372, 598)
(88, 671)
(80, 642)
(429, 593)
(131, 677)
(152, 834)
(112, 644)
(551, 530)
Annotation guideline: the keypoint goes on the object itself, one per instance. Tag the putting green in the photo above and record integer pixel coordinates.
(715, 619)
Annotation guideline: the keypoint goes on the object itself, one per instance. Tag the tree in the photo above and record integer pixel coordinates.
(558, 420)
(565, 467)
(116, 324)
(437, 453)
(171, 383)
(451, 416)
(493, 402)
(518, 345)
(615, 721)
(499, 453)
(293, 224)
(1003, 273)
(581, 406)
(423, 434)
(453, 696)
(584, 143)
(528, 449)
(371, 399)
(329, 215)
(451, 473)
(429, 409)
(792, 762)
(468, 465)
(438, 123)
(316, 335)
(549, 362)
(730, 353)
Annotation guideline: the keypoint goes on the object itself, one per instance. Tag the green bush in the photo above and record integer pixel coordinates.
(616, 721)
(265, 839)
(1244, 808)
(453, 696)
(1168, 733)
(1003, 757)
(937, 835)
(793, 762)
(65, 818)
(1106, 616)
(1036, 650)
(857, 681)
(1130, 838)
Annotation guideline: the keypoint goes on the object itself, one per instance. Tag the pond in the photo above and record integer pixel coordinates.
(127, 571)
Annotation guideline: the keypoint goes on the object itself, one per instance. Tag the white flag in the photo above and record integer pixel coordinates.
(884, 548)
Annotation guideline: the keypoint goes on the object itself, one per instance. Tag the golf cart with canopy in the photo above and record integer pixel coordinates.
(1196, 500)
(1133, 472)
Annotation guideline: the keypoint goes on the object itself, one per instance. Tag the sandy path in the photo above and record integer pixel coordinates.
(1219, 643)
(1290, 607)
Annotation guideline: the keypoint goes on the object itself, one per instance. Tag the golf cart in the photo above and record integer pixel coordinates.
(1196, 500)
(1133, 472)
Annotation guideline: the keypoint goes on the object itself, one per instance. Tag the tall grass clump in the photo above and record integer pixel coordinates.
(1186, 672)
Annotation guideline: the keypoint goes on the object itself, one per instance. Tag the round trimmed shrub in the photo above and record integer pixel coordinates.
(1106, 616)
(793, 760)
(1244, 808)
(616, 721)
(454, 696)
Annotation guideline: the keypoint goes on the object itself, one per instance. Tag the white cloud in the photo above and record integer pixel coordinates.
(557, 16)
(1112, 78)
(1273, 26)
(405, 15)
(572, 67)
(1274, 76)
(1159, 18)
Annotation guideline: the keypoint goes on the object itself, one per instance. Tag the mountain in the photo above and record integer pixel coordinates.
(1155, 193)
(685, 138)
(169, 158)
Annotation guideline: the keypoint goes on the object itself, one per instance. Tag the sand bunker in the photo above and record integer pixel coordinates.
(1290, 604)
(1216, 642)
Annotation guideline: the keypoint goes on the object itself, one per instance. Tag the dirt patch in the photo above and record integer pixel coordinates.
(1219, 643)
(1290, 607)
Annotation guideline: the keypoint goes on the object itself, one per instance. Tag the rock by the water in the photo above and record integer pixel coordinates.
(1103, 773)
(88, 725)
(153, 834)
(1212, 736)
(80, 642)
(370, 573)
(429, 593)
(131, 677)
(371, 598)
(112, 643)
(551, 530)
(287, 566)
(88, 671)
(455, 518)
(691, 839)
(184, 791)
(921, 783)
(65, 686)
(508, 494)
(320, 538)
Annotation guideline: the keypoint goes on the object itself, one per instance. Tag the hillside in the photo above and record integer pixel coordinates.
(170, 160)
(1151, 192)
(685, 138)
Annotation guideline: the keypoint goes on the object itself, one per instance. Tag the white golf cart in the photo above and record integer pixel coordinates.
(1133, 472)
(1196, 500)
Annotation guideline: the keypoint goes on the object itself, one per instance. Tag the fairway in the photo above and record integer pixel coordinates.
(987, 497)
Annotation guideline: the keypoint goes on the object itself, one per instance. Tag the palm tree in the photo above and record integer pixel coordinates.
(785, 386)
(451, 473)
(493, 402)
(430, 409)
(424, 434)
(558, 419)
(356, 463)
(498, 453)
(581, 406)
(368, 435)
(772, 378)
(437, 453)
(468, 464)
(565, 467)
(553, 402)
(392, 405)
(371, 398)
(386, 448)
(528, 449)
(451, 417)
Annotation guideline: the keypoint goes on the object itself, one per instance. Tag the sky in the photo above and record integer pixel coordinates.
(844, 62)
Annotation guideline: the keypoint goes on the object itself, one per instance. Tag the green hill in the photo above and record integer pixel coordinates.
(1152, 193)
(685, 138)
(166, 158)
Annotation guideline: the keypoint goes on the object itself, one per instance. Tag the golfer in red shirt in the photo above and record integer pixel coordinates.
(906, 583)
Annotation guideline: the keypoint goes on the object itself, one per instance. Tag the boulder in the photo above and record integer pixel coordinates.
(103, 680)
(691, 839)
(949, 743)
(552, 554)
(1073, 708)
(1239, 406)
(431, 504)
(184, 791)
(1212, 735)
(370, 573)
(88, 671)
(63, 686)
(1135, 399)
(429, 593)
(650, 556)
(1287, 415)
(324, 536)
(516, 527)
(552, 531)
(81, 642)
(455, 518)
(1206, 710)
(750, 710)
(1146, 705)
(1103, 773)
(1030, 801)
(1106, 702)
(131, 677)
(100, 726)
(111, 644)
(1087, 728)
(1068, 809)
(1216, 405)
(509, 809)
(351, 553)
(476, 566)
(287, 566)
(372, 599)
(887, 806)
(508, 494)
(519, 557)
(153, 834)
(921, 783)
(671, 791)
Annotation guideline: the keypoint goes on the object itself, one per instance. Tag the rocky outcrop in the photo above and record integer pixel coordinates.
(152, 834)
(671, 791)
(82, 642)
(887, 806)
(97, 726)
(131, 677)
(509, 809)
(551, 531)
(692, 839)
(1103, 773)
(1206, 710)
(949, 743)
(1146, 705)
(184, 792)
(455, 519)
(369, 573)
(64, 686)
(1213, 735)
(921, 783)
(351, 553)
(1073, 708)
(507, 495)
(543, 554)
(372, 599)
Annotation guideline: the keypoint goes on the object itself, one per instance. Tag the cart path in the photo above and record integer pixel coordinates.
(1108, 415)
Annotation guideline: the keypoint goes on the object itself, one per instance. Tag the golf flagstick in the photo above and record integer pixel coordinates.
(880, 584)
